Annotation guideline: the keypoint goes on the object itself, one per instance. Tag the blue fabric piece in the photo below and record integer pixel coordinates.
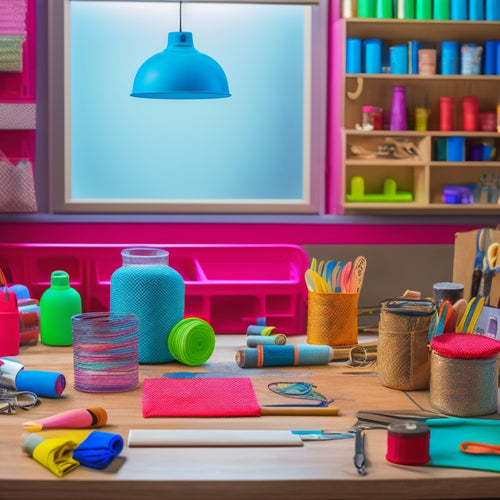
(98, 449)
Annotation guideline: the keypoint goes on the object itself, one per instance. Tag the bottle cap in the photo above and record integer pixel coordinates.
(59, 279)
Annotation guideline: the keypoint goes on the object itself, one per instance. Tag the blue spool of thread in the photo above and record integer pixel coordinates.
(458, 10)
(284, 355)
(490, 57)
(492, 10)
(449, 58)
(476, 10)
(373, 55)
(399, 59)
(353, 55)
(498, 58)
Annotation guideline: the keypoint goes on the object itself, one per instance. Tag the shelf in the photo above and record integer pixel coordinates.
(424, 178)
(385, 161)
(415, 29)
(434, 78)
(469, 164)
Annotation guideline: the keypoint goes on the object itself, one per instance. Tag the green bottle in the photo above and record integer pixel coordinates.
(58, 305)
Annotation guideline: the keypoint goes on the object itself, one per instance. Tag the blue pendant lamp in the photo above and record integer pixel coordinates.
(180, 72)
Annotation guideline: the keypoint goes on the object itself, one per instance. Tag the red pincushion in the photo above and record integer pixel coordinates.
(465, 346)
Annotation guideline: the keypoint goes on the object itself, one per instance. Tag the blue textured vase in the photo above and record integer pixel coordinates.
(146, 286)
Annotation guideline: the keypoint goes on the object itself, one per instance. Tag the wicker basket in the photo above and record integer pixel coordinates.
(403, 355)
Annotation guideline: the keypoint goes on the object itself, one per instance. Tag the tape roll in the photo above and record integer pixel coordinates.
(192, 341)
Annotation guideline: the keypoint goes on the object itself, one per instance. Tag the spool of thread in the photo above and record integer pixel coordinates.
(284, 355)
(383, 9)
(192, 341)
(470, 113)
(427, 61)
(423, 9)
(260, 330)
(490, 57)
(366, 8)
(255, 340)
(421, 118)
(349, 8)
(441, 10)
(408, 443)
(447, 113)
(398, 55)
(447, 291)
(353, 55)
(458, 10)
(492, 9)
(476, 10)
(406, 9)
(373, 55)
(449, 58)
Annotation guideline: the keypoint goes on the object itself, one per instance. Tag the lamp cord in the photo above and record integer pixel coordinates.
(180, 15)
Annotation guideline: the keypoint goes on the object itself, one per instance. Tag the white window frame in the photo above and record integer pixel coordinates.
(315, 129)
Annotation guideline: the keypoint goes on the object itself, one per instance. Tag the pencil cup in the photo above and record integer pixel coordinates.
(332, 319)
(402, 352)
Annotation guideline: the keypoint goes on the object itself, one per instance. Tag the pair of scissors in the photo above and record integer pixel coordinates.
(477, 274)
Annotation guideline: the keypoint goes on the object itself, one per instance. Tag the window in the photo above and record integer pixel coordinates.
(260, 151)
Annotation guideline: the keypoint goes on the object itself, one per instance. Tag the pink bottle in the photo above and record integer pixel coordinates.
(398, 109)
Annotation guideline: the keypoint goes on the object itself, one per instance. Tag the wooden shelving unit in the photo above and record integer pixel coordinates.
(424, 177)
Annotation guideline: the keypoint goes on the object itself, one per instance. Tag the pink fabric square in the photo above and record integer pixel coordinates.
(199, 397)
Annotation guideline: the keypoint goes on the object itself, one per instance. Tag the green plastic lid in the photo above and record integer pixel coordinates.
(191, 341)
(59, 279)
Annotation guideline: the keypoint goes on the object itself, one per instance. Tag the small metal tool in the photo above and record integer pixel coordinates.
(359, 451)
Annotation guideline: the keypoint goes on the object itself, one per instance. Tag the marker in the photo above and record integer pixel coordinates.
(72, 419)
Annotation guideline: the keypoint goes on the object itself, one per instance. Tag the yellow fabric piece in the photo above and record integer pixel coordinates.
(56, 455)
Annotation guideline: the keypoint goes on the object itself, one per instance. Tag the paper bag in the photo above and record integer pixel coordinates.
(466, 245)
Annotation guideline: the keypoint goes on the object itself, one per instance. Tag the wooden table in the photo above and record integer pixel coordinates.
(318, 470)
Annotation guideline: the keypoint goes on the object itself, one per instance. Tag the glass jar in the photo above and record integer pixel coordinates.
(148, 287)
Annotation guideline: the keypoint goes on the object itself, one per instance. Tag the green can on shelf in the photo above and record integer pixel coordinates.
(58, 305)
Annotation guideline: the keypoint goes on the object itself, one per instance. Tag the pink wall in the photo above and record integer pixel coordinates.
(238, 233)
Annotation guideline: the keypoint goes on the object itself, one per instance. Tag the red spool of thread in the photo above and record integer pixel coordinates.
(446, 113)
(470, 113)
(408, 443)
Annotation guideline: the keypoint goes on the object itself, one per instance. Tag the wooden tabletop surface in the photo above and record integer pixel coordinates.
(317, 470)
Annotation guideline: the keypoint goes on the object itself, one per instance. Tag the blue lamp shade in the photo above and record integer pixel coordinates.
(180, 72)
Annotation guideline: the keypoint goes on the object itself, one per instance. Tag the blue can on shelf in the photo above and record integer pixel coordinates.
(476, 10)
(373, 55)
(458, 10)
(399, 59)
(490, 57)
(449, 58)
(353, 55)
(492, 10)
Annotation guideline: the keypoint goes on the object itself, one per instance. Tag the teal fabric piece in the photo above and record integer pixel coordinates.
(448, 433)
